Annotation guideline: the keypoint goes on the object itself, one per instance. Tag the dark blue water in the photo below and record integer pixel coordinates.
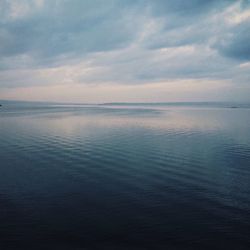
(124, 176)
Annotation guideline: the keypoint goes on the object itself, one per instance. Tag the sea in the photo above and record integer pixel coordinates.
(122, 176)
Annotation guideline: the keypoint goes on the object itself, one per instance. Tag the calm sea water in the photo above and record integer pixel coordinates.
(169, 176)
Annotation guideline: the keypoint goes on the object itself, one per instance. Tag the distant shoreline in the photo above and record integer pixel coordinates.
(224, 105)
(232, 104)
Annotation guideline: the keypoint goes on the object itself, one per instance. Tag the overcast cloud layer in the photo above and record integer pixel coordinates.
(125, 50)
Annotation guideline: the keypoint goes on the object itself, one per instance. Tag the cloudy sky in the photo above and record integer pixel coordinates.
(125, 50)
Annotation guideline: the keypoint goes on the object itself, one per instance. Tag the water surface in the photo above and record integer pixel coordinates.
(159, 176)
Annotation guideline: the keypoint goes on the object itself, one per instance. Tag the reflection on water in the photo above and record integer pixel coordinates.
(124, 177)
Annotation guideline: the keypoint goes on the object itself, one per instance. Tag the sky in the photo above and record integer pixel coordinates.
(94, 51)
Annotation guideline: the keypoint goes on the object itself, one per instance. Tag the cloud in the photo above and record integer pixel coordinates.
(47, 43)
(57, 28)
(236, 42)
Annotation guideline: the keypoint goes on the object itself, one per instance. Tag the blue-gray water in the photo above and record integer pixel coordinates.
(167, 176)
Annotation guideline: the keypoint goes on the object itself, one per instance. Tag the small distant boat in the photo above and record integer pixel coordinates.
(234, 107)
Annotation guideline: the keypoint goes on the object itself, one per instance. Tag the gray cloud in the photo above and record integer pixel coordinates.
(69, 27)
(236, 42)
(45, 42)
(186, 8)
